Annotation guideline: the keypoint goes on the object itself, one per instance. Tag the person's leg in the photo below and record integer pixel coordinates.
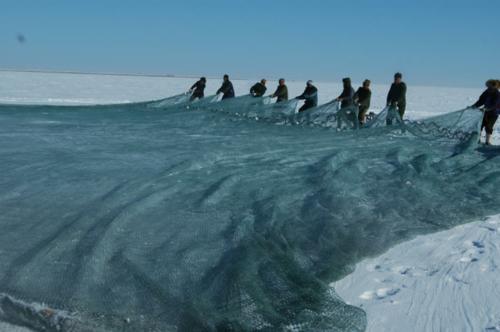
(362, 114)
(489, 118)
(306, 106)
(494, 118)
(390, 115)
(401, 110)
(483, 126)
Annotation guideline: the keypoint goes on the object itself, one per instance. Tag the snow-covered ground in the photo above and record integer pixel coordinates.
(447, 281)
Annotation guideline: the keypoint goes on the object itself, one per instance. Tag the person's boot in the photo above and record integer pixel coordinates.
(488, 139)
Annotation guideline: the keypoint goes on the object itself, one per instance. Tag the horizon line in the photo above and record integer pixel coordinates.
(77, 72)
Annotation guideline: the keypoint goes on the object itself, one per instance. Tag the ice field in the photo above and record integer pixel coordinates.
(239, 216)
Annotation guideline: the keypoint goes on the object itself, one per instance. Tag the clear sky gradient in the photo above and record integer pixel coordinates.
(453, 43)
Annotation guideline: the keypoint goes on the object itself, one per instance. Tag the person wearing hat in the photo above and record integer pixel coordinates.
(281, 92)
(226, 89)
(362, 98)
(397, 95)
(346, 98)
(310, 95)
(259, 89)
(490, 99)
(198, 89)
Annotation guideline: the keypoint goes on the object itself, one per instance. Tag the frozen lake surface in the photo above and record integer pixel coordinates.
(130, 217)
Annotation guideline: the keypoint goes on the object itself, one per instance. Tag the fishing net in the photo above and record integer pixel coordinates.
(198, 217)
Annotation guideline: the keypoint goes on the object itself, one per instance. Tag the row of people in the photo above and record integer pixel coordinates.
(361, 98)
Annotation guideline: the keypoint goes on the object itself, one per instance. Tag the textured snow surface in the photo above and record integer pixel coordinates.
(227, 216)
(447, 281)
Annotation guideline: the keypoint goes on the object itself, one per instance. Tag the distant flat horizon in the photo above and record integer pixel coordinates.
(195, 77)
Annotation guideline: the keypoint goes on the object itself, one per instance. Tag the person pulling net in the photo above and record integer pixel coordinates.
(197, 90)
(310, 97)
(259, 88)
(489, 101)
(396, 99)
(347, 116)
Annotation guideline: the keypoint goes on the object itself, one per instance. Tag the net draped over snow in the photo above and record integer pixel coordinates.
(218, 216)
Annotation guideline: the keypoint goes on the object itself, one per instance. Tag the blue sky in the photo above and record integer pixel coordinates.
(431, 42)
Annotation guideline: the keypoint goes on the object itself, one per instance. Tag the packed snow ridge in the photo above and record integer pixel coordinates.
(447, 281)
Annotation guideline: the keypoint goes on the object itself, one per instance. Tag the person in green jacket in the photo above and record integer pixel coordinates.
(281, 92)
(397, 95)
(259, 88)
(362, 98)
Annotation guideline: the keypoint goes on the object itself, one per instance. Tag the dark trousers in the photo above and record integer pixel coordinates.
(401, 110)
(194, 96)
(400, 107)
(489, 119)
(362, 113)
(306, 106)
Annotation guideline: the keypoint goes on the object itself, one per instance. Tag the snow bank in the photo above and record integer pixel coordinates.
(447, 281)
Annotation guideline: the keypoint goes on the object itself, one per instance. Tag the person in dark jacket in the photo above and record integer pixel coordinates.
(310, 95)
(490, 99)
(281, 92)
(397, 95)
(198, 89)
(362, 98)
(347, 97)
(226, 89)
(259, 89)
